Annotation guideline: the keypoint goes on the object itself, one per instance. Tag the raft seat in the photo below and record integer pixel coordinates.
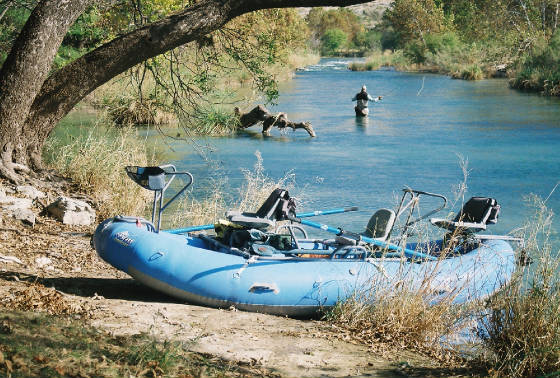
(276, 207)
(475, 215)
(380, 225)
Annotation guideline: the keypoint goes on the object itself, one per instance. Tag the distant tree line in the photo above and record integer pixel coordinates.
(521, 35)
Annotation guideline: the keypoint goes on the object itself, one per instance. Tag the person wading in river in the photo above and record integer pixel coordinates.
(363, 97)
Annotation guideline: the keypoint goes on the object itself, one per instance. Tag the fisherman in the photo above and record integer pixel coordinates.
(363, 97)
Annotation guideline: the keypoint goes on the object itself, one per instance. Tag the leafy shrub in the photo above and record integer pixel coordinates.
(389, 38)
(539, 69)
(86, 31)
(434, 43)
(332, 41)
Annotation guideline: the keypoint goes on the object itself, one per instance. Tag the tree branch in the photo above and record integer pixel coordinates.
(66, 87)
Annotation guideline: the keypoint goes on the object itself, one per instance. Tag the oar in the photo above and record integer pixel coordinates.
(391, 247)
(302, 215)
(326, 212)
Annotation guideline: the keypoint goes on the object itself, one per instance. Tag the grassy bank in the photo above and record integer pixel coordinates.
(78, 157)
(539, 69)
(42, 345)
(459, 62)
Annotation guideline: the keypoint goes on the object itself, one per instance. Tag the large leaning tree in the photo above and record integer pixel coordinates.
(33, 98)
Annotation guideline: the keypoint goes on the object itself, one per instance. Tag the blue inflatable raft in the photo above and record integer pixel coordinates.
(278, 273)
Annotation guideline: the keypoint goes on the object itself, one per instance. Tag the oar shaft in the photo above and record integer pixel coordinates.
(191, 229)
(326, 212)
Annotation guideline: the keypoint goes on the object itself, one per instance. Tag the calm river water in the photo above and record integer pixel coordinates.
(414, 137)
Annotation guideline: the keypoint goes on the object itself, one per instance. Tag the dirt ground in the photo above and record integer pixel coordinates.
(52, 267)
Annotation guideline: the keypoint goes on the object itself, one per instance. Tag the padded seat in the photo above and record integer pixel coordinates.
(475, 215)
(277, 206)
(380, 225)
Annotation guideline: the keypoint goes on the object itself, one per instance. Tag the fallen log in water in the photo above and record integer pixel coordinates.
(280, 120)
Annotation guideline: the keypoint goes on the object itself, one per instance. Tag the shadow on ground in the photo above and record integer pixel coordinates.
(110, 288)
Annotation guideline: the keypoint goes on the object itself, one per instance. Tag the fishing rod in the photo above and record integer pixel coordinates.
(390, 247)
(302, 215)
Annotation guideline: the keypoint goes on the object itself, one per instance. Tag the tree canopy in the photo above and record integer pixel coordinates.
(35, 95)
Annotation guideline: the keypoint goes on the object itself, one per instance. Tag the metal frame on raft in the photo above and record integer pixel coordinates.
(153, 178)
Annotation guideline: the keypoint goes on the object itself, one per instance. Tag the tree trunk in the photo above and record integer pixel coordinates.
(46, 102)
(24, 72)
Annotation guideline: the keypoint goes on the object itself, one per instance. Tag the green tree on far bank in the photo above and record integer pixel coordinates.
(475, 39)
(332, 41)
(329, 26)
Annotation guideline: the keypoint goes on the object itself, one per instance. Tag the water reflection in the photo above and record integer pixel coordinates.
(361, 122)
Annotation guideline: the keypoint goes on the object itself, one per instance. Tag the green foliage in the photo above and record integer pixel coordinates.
(67, 54)
(129, 15)
(369, 40)
(389, 38)
(10, 26)
(332, 41)
(323, 24)
(413, 19)
(87, 31)
(432, 44)
(539, 69)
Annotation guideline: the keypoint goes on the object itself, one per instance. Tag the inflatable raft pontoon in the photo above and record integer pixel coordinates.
(247, 266)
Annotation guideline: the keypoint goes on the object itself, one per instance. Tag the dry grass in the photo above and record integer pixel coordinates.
(402, 314)
(522, 331)
(95, 163)
(256, 188)
(39, 345)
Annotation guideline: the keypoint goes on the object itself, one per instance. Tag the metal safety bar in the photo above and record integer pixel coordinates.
(154, 178)
(413, 202)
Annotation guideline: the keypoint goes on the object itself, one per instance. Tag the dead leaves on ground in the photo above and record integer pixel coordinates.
(36, 297)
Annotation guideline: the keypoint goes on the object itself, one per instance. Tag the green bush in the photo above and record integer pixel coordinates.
(368, 40)
(444, 41)
(332, 41)
(389, 39)
(86, 31)
(418, 51)
(539, 70)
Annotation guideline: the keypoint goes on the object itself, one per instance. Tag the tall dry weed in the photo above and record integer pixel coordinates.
(218, 199)
(402, 313)
(95, 163)
(522, 331)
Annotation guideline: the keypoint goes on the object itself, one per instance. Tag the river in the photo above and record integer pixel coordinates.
(416, 137)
